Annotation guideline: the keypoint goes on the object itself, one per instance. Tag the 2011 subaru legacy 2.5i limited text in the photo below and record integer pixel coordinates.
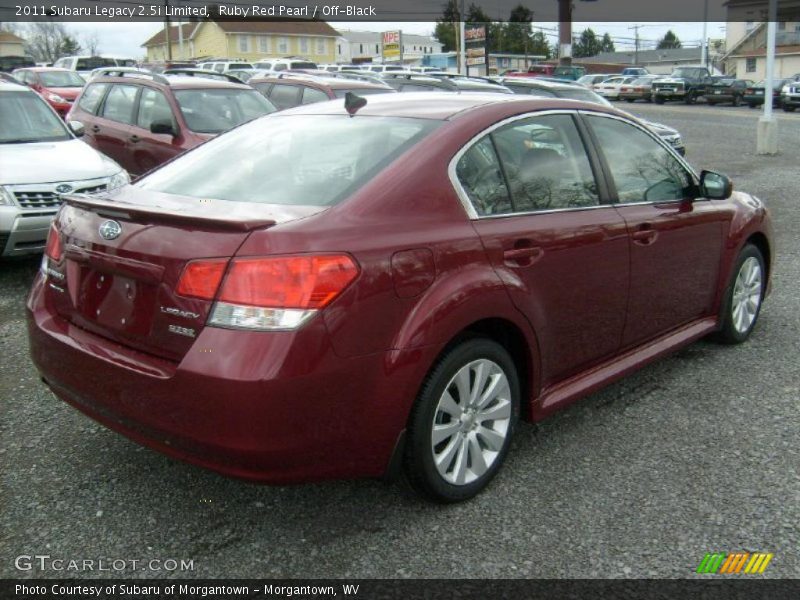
(318, 295)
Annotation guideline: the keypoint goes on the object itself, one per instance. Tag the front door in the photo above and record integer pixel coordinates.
(675, 238)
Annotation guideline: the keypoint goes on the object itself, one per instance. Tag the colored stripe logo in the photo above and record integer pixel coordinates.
(734, 562)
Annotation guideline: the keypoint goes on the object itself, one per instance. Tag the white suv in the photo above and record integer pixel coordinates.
(284, 64)
(41, 159)
(221, 66)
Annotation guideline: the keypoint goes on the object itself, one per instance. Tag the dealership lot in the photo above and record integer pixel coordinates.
(697, 453)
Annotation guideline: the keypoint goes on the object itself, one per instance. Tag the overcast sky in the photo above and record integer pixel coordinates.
(125, 39)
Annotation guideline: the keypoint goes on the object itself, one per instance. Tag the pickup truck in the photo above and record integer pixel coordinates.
(685, 83)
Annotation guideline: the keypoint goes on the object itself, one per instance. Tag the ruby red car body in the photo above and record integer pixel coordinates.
(332, 398)
(32, 76)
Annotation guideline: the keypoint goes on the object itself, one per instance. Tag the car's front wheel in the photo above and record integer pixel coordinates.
(461, 425)
(743, 296)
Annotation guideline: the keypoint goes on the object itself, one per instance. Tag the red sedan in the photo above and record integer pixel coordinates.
(274, 310)
(59, 87)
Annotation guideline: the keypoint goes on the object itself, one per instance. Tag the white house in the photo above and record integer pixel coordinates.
(747, 56)
(365, 47)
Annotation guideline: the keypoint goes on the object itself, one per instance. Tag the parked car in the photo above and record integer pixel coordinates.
(790, 94)
(9, 78)
(640, 71)
(572, 73)
(591, 80)
(574, 91)
(424, 70)
(41, 159)
(754, 95)
(142, 121)
(413, 82)
(84, 65)
(10, 63)
(336, 68)
(223, 66)
(726, 89)
(610, 88)
(160, 67)
(685, 83)
(533, 71)
(285, 64)
(59, 87)
(640, 88)
(295, 313)
(288, 91)
(384, 68)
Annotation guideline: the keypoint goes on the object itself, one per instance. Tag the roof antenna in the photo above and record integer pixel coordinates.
(353, 103)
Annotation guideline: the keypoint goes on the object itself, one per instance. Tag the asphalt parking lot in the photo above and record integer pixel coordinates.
(697, 453)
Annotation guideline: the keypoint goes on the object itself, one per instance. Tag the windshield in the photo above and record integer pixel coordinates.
(340, 93)
(26, 118)
(61, 79)
(287, 159)
(217, 110)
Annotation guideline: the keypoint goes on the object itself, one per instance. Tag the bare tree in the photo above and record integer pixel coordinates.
(91, 43)
(45, 40)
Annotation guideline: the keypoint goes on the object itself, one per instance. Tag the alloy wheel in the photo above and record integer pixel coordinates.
(471, 422)
(746, 295)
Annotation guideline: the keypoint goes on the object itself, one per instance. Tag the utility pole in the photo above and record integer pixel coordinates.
(767, 137)
(462, 51)
(167, 30)
(565, 33)
(704, 42)
(636, 43)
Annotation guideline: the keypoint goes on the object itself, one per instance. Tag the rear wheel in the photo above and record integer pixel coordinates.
(629, 100)
(689, 98)
(788, 108)
(461, 425)
(751, 105)
(743, 297)
(658, 100)
(737, 100)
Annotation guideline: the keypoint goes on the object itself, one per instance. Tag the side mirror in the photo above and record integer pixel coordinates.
(162, 126)
(715, 185)
(77, 128)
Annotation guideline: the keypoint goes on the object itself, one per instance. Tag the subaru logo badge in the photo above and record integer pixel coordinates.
(64, 188)
(110, 230)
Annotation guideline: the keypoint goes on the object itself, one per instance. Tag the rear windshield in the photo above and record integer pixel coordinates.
(26, 118)
(287, 159)
(217, 110)
(61, 79)
(340, 93)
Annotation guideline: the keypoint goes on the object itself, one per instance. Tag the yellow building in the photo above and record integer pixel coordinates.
(247, 40)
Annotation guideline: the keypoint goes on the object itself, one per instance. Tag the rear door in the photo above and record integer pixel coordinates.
(675, 240)
(562, 250)
(114, 124)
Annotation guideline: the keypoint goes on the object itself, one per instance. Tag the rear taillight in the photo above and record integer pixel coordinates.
(200, 278)
(54, 248)
(268, 293)
(748, 91)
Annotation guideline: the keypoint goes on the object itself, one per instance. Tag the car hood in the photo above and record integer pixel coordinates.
(49, 162)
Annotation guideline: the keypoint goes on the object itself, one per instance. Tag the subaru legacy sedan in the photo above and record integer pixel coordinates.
(274, 310)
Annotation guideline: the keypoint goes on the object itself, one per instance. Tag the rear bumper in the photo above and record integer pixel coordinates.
(274, 407)
(23, 233)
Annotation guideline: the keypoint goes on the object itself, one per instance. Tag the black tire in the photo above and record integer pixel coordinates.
(788, 108)
(728, 333)
(658, 100)
(751, 105)
(418, 461)
(710, 102)
(689, 98)
(629, 100)
(737, 100)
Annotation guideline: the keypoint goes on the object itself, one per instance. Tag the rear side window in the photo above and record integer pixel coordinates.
(217, 110)
(288, 159)
(91, 97)
(153, 107)
(120, 103)
(480, 175)
(311, 95)
(219, 67)
(284, 96)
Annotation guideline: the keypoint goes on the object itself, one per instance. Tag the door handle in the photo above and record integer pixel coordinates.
(522, 257)
(645, 235)
(134, 139)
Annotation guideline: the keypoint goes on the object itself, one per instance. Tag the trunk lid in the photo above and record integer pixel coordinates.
(123, 288)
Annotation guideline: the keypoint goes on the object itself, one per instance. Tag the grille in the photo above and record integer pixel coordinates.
(38, 199)
(51, 199)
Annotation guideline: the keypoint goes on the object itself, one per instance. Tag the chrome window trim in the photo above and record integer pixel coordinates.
(657, 138)
(461, 192)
